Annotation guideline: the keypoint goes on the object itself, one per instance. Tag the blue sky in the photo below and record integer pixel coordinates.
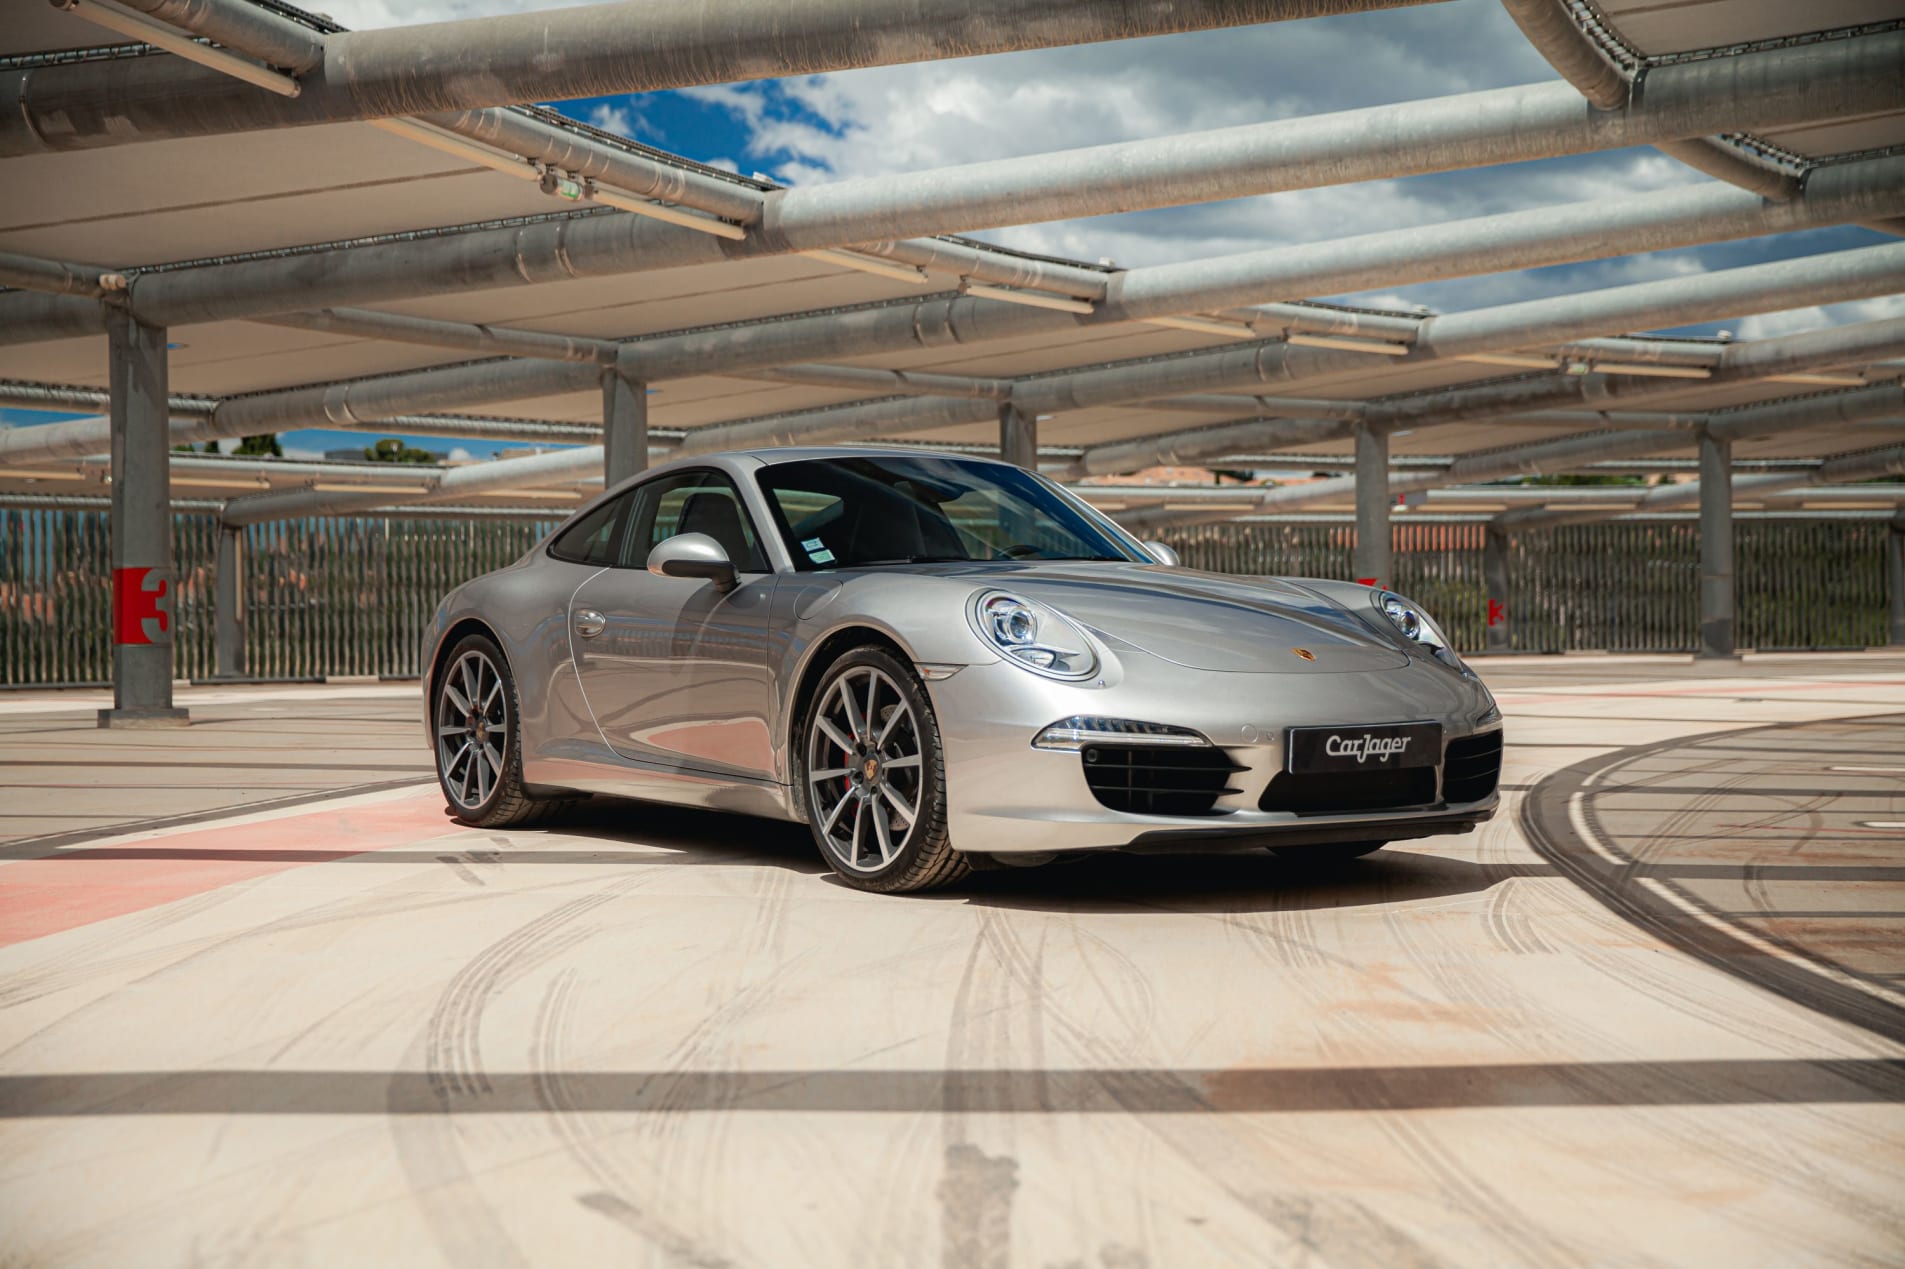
(893, 119)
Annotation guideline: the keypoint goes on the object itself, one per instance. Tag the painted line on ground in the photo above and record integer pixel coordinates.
(66, 889)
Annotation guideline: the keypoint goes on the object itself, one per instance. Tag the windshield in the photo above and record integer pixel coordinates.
(907, 509)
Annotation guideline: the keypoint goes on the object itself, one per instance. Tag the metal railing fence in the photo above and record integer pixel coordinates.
(1614, 586)
(333, 596)
(351, 595)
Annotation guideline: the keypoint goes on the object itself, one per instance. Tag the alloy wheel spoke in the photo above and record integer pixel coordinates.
(884, 832)
(859, 818)
(445, 730)
(909, 813)
(493, 757)
(834, 734)
(833, 817)
(855, 723)
(456, 698)
(470, 680)
(892, 721)
(495, 690)
(832, 773)
(905, 762)
(873, 696)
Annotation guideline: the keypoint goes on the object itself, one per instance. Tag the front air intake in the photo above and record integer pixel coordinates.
(1347, 792)
(1154, 780)
(1471, 767)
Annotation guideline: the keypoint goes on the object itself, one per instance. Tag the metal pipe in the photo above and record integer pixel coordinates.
(216, 61)
(587, 51)
(435, 333)
(871, 378)
(1513, 240)
(56, 277)
(603, 245)
(240, 25)
(1760, 288)
(1564, 453)
(1766, 88)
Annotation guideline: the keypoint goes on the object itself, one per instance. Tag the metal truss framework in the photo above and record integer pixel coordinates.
(234, 66)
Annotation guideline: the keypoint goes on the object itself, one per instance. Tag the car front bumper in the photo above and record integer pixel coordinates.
(1005, 797)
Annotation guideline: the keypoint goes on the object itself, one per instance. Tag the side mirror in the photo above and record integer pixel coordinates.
(693, 555)
(1162, 553)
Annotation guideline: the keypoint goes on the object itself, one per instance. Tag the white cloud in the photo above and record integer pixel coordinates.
(361, 15)
(303, 455)
(458, 454)
(611, 117)
(1793, 321)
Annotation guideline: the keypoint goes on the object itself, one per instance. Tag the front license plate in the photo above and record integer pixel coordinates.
(1384, 747)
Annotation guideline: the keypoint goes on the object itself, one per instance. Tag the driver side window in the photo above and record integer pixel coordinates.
(690, 502)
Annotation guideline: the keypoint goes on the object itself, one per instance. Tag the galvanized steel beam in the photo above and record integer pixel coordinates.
(587, 51)
(144, 582)
(595, 246)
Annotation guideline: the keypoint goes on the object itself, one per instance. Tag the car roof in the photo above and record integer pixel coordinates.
(804, 453)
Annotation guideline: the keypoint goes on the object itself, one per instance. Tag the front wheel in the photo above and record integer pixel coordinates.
(875, 777)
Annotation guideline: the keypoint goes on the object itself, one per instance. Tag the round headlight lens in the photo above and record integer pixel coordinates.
(1033, 635)
(1012, 622)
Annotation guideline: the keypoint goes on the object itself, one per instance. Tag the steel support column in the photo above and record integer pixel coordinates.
(1716, 547)
(1495, 579)
(624, 426)
(1895, 577)
(228, 604)
(1374, 554)
(1018, 437)
(144, 587)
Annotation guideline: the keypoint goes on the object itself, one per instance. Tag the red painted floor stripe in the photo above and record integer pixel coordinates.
(78, 886)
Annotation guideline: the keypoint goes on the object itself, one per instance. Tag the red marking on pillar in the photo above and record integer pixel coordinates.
(1365, 581)
(141, 606)
(1497, 612)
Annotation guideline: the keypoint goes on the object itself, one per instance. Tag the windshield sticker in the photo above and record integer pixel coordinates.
(812, 545)
(818, 553)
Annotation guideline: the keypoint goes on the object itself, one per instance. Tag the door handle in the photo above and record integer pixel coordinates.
(590, 623)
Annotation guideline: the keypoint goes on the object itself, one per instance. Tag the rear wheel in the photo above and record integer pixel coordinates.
(479, 738)
(875, 778)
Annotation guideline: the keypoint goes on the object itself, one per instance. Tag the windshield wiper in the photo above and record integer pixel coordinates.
(912, 559)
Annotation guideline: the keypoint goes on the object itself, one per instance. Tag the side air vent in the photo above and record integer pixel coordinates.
(1471, 767)
(1346, 792)
(1149, 780)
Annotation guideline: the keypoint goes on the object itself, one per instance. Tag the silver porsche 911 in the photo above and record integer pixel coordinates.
(940, 662)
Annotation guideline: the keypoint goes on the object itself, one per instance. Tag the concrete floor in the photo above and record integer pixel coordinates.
(261, 1002)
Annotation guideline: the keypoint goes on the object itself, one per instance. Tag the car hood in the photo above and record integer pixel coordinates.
(1204, 621)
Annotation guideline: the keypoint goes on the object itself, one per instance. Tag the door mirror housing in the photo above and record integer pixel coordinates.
(693, 555)
(1162, 553)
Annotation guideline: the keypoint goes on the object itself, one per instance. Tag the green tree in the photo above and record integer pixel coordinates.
(259, 447)
(393, 450)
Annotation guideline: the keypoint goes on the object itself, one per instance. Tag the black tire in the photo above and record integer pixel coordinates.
(924, 859)
(482, 793)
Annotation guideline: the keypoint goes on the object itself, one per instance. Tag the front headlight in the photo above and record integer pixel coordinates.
(1034, 636)
(1415, 624)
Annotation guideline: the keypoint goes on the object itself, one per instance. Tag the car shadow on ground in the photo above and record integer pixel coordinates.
(1243, 881)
